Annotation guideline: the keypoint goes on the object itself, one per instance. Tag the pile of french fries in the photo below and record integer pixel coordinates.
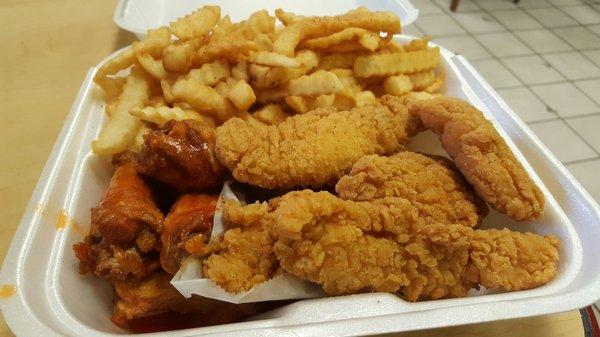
(205, 67)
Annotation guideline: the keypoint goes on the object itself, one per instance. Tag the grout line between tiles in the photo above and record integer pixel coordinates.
(579, 161)
(540, 56)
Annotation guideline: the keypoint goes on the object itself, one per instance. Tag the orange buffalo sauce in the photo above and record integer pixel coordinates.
(7, 291)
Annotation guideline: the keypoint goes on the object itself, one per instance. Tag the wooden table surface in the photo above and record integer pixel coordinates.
(47, 48)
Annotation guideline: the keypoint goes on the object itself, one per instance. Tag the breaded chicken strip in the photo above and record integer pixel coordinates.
(431, 183)
(383, 245)
(398, 104)
(244, 257)
(482, 156)
(311, 149)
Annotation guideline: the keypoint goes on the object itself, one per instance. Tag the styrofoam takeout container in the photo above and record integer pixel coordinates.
(137, 16)
(52, 299)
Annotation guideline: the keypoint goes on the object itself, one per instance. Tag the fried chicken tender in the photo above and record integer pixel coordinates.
(182, 155)
(311, 149)
(127, 207)
(190, 220)
(244, 256)
(431, 183)
(383, 245)
(154, 295)
(398, 104)
(482, 156)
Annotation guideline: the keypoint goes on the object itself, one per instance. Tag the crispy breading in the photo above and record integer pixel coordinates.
(482, 156)
(244, 257)
(311, 149)
(431, 183)
(383, 245)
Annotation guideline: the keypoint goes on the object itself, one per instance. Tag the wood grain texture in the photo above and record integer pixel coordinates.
(47, 48)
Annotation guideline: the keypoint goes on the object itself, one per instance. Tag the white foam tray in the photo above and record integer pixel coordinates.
(137, 16)
(52, 299)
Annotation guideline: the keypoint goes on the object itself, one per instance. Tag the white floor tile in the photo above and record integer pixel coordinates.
(573, 65)
(463, 6)
(493, 5)
(592, 89)
(412, 30)
(587, 175)
(533, 4)
(583, 14)
(594, 55)
(515, 20)
(552, 17)
(595, 29)
(543, 41)
(496, 74)
(565, 99)
(503, 44)
(426, 7)
(562, 141)
(464, 45)
(587, 128)
(526, 104)
(478, 22)
(532, 69)
(579, 37)
(566, 2)
(439, 25)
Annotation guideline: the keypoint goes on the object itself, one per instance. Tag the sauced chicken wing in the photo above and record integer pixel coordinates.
(126, 208)
(187, 228)
(182, 155)
(154, 295)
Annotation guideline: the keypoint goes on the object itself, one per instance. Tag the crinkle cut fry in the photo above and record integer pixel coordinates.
(311, 149)
(382, 245)
(482, 156)
(431, 183)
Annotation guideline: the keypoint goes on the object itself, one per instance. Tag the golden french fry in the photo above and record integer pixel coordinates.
(248, 118)
(203, 99)
(365, 98)
(300, 104)
(177, 57)
(437, 84)
(397, 85)
(156, 102)
(268, 77)
(360, 38)
(240, 71)
(288, 39)
(422, 79)
(197, 24)
(210, 73)
(260, 22)
(264, 43)
(161, 115)
(151, 66)
(157, 40)
(273, 60)
(269, 95)
(271, 114)
(241, 95)
(417, 44)
(334, 61)
(232, 47)
(112, 86)
(222, 28)
(120, 129)
(287, 18)
(122, 61)
(348, 80)
(321, 82)
(138, 140)
(383, 64)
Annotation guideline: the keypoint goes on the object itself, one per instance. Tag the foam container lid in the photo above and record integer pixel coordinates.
(52, 299)
(137, 16)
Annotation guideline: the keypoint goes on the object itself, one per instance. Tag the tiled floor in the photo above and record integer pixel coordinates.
(543, 57)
